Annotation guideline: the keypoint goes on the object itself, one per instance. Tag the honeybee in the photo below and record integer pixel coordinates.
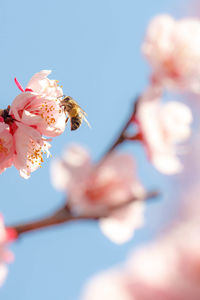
(75, 113)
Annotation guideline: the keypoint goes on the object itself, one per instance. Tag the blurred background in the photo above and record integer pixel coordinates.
(93, 49)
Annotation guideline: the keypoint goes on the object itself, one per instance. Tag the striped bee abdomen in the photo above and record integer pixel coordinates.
(76, 122)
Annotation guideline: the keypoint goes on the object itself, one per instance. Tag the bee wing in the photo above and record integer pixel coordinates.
(82, 111)
(86, 121)
(83, 114)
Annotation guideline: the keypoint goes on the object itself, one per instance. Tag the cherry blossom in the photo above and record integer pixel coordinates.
(43, 86)
(93, 188)
(166, 269)
(5, 255)
(172, 48)
(162, 127)
(6, 147)
(110, 284)
(33, 113)
(29, 148)
(39, 105)
(169, 267)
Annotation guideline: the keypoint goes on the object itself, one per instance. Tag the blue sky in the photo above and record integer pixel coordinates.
(93, 48)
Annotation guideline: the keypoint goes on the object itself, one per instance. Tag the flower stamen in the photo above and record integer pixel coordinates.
(3, 150)
(18, 85)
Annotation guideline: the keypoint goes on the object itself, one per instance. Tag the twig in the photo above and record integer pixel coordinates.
(65, 215)
(122, 136)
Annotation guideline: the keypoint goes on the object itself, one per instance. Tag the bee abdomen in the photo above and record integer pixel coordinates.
(75, 123)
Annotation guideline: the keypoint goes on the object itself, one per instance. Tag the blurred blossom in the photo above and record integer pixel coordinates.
(168, 269)
(109, 285)
(94, 188)
(186, 185)
(162, 126)
(172, 48)
(5, 255)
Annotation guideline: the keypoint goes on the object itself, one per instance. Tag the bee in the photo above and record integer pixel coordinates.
(75, 113)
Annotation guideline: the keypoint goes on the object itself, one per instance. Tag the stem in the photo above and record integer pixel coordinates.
(122, 136)
(64, 215)
(136, 137)
(60, 216)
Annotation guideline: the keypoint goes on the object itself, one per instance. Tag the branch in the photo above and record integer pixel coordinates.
(65, 215)
(122, 136)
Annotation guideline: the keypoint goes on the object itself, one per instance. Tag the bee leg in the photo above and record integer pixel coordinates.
(66, 120)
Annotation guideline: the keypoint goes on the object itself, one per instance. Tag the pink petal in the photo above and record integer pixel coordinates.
(120, 226)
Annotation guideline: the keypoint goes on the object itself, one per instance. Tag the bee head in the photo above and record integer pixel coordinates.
(68, 103)
(67, 98)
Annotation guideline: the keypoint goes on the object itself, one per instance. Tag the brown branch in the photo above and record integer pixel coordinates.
(122, 136)
(65, 215)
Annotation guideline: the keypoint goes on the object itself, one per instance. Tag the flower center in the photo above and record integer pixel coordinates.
(171, 69)
(96, 191)
(47, 113)
(34, 154)
(48, 110)
(3, 150)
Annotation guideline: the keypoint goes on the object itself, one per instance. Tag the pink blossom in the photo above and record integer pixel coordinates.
(93, 188)
(172, 48)
(44, 114)
(29, 148)
(108, 285)
(43, 86)
(169, 267)
(166, 269)
(162, 126)
(38, 106)
(6, 147)
(5, 255)
(33, 113)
